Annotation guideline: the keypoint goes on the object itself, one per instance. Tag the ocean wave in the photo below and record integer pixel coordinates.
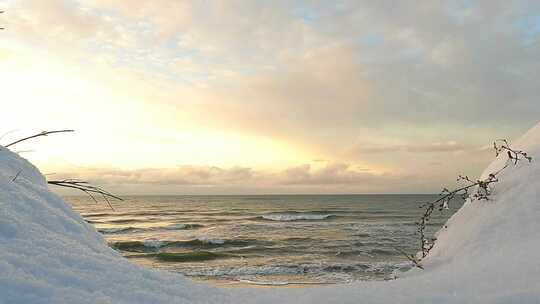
(362, 234)
(348, 253)
(296, 216)
(124, 221)
(85, 215)
(225, 271)
(282, 283)
(382, 252)
(193, 256)
(136, 213)
(181, 257)
(152, 245)
(261, 251)
(130, 246)
(297, 239)
(130, 229)
(182, 226)
(117, 230)
(322, 272)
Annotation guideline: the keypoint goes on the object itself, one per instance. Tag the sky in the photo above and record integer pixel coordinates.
(267, 97)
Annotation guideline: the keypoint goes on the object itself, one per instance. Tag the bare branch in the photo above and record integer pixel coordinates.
(17, 175)
(24, 151)
(501, 145)
(411, 258)
(483, 191)
(86, 188)
(44, 133)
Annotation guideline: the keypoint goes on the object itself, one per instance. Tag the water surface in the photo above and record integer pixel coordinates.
(274, 238)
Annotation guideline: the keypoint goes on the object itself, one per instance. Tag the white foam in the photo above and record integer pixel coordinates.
(175, 226)
(211, 241)
(287, 217)
(153, 243)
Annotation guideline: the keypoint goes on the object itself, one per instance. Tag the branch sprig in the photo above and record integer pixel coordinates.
(482, 191)
(43, 133)
(86, 188)
(501, 146)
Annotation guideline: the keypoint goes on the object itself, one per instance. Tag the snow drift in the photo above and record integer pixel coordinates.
(488, 253)
(49, 254)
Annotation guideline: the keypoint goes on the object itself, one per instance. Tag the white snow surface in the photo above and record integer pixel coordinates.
(49, 254)
(488, 254)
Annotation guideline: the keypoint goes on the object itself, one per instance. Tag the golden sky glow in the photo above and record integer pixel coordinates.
(188, 97)
(112, 115)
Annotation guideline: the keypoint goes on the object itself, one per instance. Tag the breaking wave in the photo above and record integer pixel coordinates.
(192, 256)
(117, 230)
(296, 216)
(129, 229)
(152, 245)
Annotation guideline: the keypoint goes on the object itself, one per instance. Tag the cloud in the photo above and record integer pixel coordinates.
(305, 62)
(292, 179)
(450, 146)
(54, 25)
(324, 91)
(335, 174)
(382, 77)
(181, 175)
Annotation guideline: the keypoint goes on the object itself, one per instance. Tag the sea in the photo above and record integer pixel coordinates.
(266, 239)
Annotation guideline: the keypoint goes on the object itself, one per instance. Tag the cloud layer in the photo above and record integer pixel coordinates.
(328, 178)
(390, 86)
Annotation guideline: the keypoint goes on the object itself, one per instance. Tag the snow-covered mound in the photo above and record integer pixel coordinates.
(488, 253)
(49, 254)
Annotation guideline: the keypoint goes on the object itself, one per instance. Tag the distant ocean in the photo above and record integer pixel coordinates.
(266, 239)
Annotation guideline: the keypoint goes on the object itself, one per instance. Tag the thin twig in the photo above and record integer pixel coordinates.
(24, 151)
(86, 188)
(411, 258)
(44, 133)
(483, 192)
(17, 175)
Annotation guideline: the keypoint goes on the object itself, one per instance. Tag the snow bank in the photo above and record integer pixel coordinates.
(49, 254)
(488, 253)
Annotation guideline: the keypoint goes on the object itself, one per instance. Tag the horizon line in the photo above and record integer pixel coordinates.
(264, 194)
